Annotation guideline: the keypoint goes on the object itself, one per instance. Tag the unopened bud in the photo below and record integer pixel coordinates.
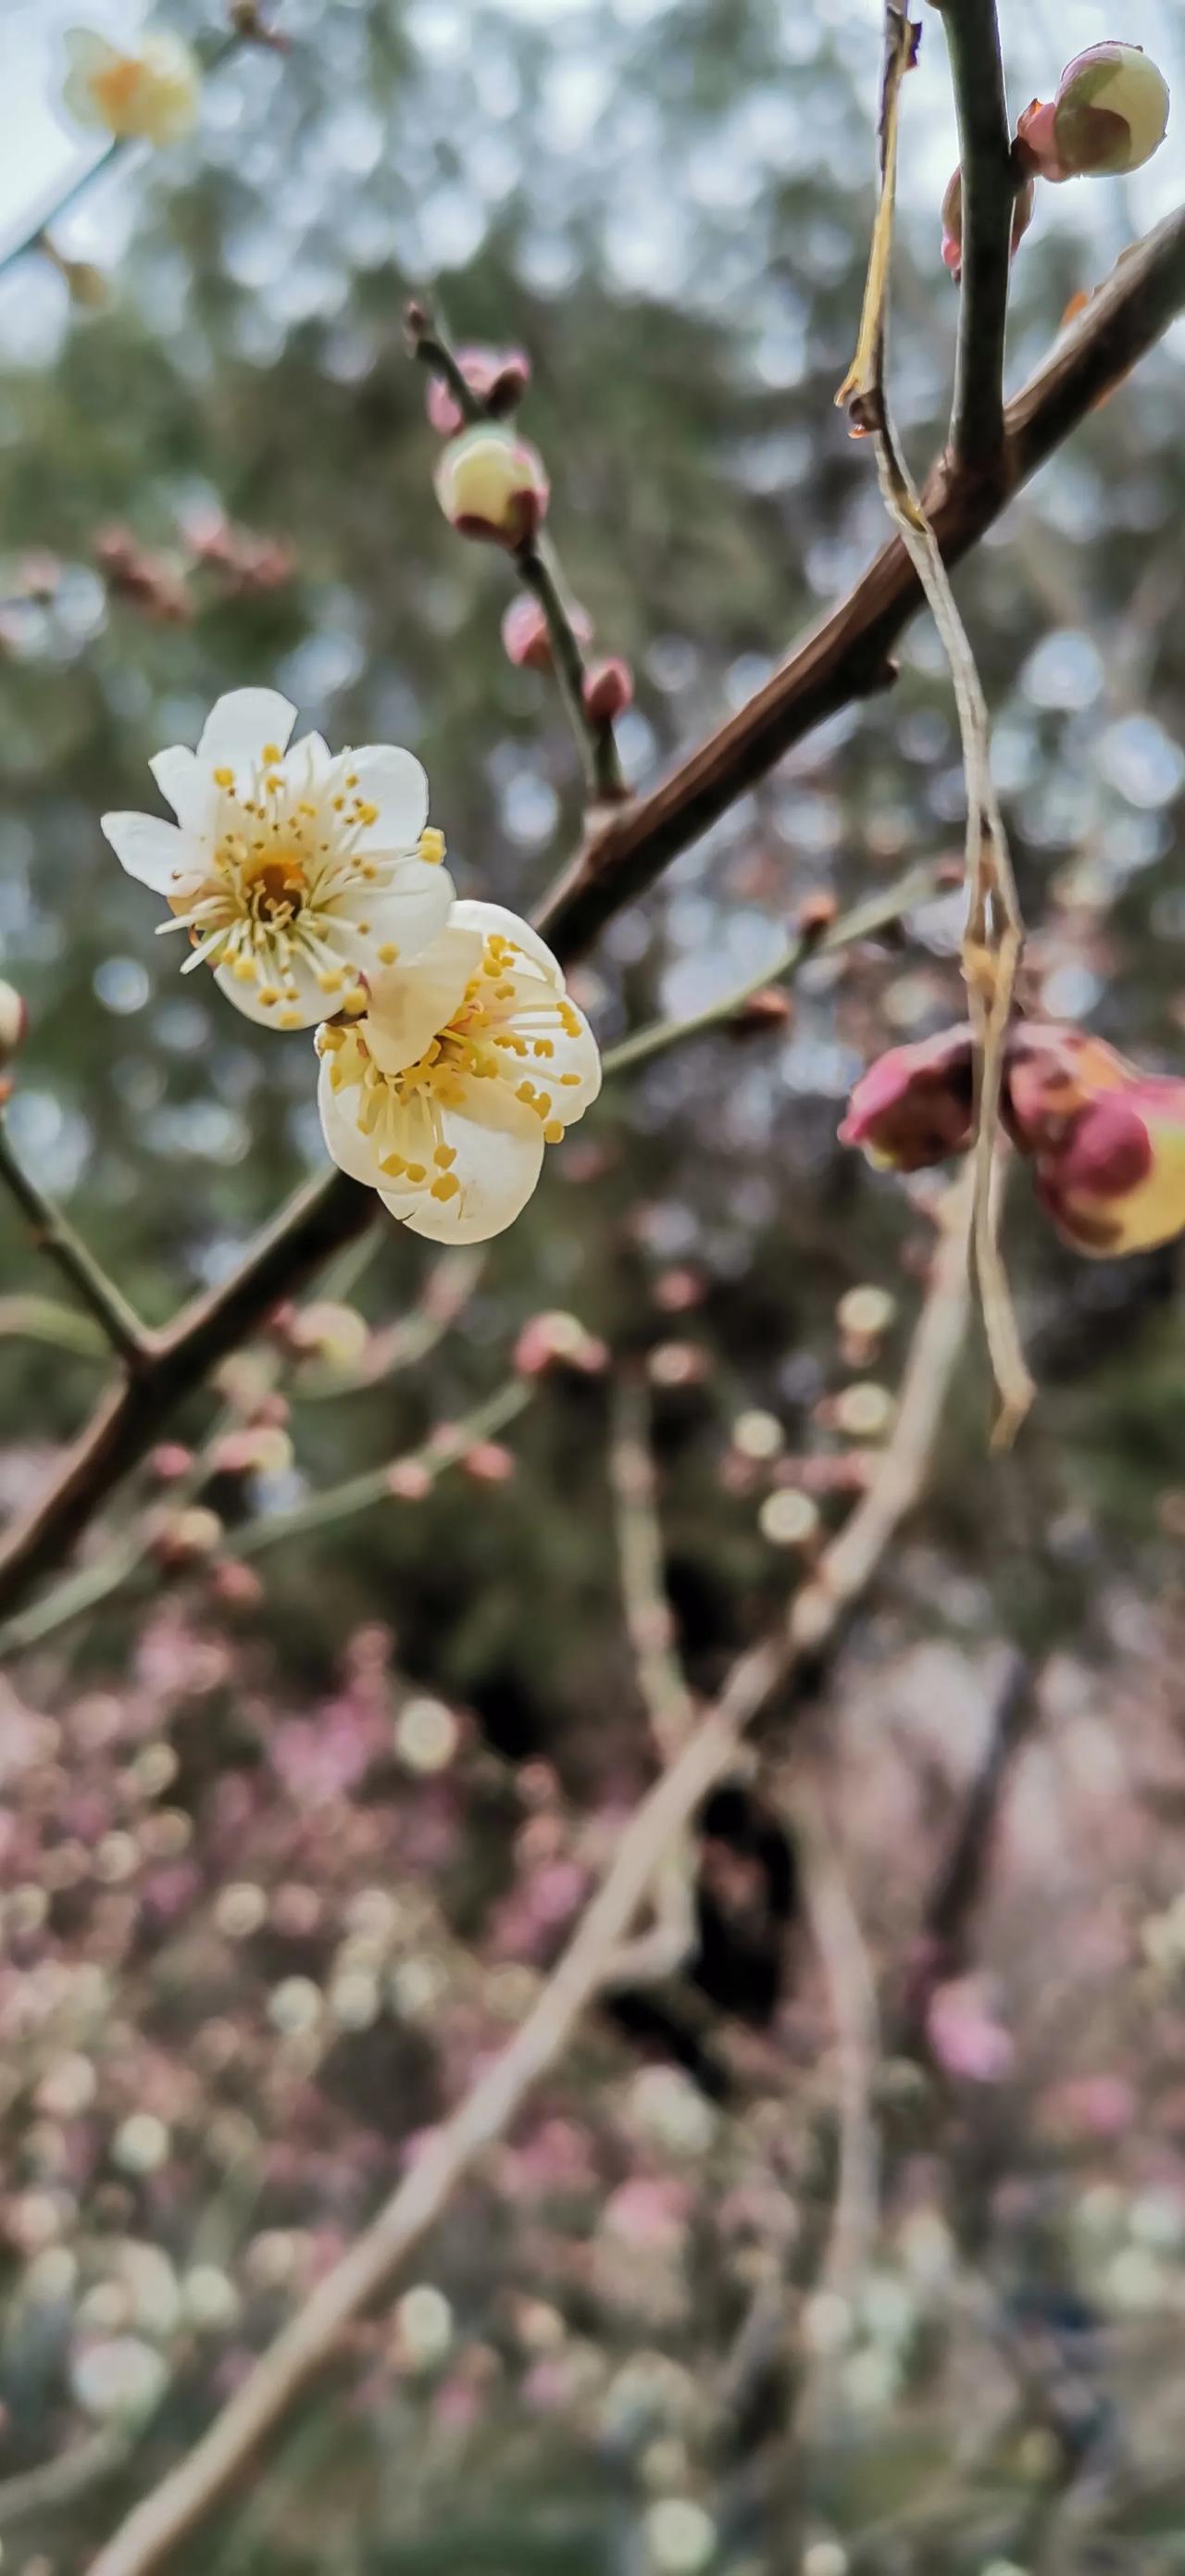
(815, 915)
(556, 1339)
(408, 1480)
(608, 690)
(327, 1331)
(525, 638)
(492, 485)
(14, 1022)
(236, 1586)
(1109, 116)
(169, 1461)
(915, 1105)
(768, 1009)
(498, 377)
(488, 1463)
(952, 221)
(188, 1536)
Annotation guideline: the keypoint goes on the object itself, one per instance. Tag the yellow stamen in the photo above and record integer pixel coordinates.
(432, 846)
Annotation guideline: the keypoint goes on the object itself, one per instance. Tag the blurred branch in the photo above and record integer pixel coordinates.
(447, 1289)
(39, 1319)
(844, 659)
(52, 1235)
(852, 1990)
(190, 2492)
(633, 1481)
(994, 933)
(95, 1583)
(540, 572)
(862, 922)
(847, 656)
(943, 1946)
(443, 1447)
(989, 191)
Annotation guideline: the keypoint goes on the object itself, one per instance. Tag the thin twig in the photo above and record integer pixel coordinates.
(191, 2491)
(52, 1235)
(843, 660)
(540, 572)
(41, 1319)
(661, 1950)
(943, 1947)
(989, 185)
(447, 1289)
(851, 1988)
(878, 912)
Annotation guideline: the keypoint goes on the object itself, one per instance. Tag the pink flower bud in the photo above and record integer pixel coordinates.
(409, 1480)
(915, 1105)
(169, 1461)
(188, 1536)
(525, 639)
(488, 1463)
(1107, 1142)
(952, 221)
(498, 377)
(493, 485)
(608, 690)
(236, 1586)
(558, 1340)
(1109, 116)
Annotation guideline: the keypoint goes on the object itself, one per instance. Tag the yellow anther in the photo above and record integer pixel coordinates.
(553, 1131)
(351, 778)
(330, 980)
(526, 1091)
(445, 1156)
(244, 970)
(416, 1172)
(310, 810)
(367, 814)
(362, 928)
(290, 1019)
(543, 1046)
(446, 1187)
(271, 754)
(393, 1165)
(224, 778)
(355, 1002)
(388, 953)
(339, 804)
(269, 996)
(432, 846)
(569, 1080)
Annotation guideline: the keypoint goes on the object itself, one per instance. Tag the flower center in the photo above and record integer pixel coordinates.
(116, 87)
(274, 887)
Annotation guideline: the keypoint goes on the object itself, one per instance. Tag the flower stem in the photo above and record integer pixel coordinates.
(52, 1235)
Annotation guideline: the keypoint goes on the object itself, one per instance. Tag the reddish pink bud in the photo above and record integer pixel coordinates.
(768, 1009)
(1109, 116)
(608, 690)
(558, 1340)
(952, 220)
(915, 1105)
(169, 1461)
(498, 377)
(409, 1480)
(1107, 1142)
(237, 1586)
(489, 1463)
(14, 1022)
(493, 485)
(525, 639)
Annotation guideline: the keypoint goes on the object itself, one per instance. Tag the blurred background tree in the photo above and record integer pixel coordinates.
(668, 206)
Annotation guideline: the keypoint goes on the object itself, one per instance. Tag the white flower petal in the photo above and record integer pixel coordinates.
(407, 910)
(573, 1052)
(153, 852)
(87, 51)
(239, 725)
(307, 763)
(397, 783)
(498, 1144)
(185, 784)
(494, 917)
(301, 1010)
(353, 1152)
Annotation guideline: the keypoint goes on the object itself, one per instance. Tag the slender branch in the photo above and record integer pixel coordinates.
(447, 1289)
(540, 572)
(847, 657)
(53, 1236)
(862, 922)
(662, 1686)
(988, 192)
(943, 1945)
(360, 1493)
(40, 1319)
(844, 659)
(121, 1563)
(851, 1986)
(189, 2493)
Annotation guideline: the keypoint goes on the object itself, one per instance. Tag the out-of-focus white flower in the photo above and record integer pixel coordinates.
(680, 2536)
(423, 2325)
(467, 1063)
(149, 94)
(426, 1735)
(667, 2106)
(119, 2381)
(294, 871)
(141, 2144)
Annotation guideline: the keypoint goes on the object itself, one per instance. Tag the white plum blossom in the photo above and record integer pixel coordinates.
(148, 92)
(467, 1063)
(295, 872)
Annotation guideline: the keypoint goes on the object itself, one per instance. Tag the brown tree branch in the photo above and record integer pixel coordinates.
(186, 2497)
(844, 659)
(943, 1945)
(989, 191)
(847, 657)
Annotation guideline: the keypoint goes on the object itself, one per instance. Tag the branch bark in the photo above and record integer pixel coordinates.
(989, 190)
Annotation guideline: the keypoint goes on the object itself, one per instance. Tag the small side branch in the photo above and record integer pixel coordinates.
(661, 1950)
(52, 1235)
